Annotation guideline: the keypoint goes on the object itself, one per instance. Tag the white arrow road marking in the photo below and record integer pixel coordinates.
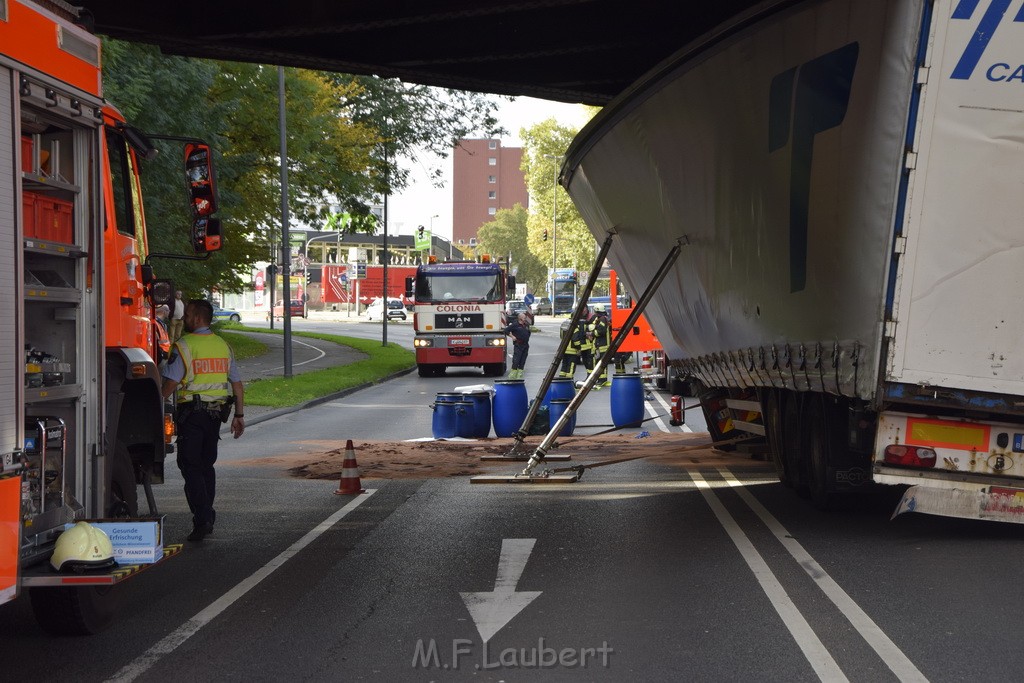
(492, 611)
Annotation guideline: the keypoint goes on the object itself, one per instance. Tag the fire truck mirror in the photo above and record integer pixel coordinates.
(511, 286)
(206, 235)
(161, 292)
(199, 176)
(409, 286)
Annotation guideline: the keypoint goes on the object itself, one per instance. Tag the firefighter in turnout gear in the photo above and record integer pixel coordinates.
(580, 348)
(203, 375)
(602, 340)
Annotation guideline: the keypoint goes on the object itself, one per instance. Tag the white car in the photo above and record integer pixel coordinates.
(395, 310)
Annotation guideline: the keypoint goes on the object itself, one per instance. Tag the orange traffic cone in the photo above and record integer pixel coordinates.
(349, 473)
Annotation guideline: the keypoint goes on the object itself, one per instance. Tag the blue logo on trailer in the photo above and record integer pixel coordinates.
(975, 49)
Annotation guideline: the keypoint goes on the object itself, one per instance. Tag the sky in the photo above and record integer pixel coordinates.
(421, 201)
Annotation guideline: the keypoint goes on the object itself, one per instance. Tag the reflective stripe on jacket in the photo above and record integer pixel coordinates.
(207, 358)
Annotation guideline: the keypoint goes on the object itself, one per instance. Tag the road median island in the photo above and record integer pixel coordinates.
(345, 364)
(439, 459)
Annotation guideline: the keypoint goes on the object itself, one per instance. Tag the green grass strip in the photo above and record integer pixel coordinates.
(279, 392)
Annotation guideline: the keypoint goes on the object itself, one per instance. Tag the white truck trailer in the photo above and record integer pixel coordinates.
(847, 181)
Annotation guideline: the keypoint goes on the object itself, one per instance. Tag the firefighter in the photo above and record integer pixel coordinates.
(580, 348)
(602, 340)
(203, 374)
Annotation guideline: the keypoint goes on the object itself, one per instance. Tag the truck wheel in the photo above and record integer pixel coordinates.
(822, 450)
(74, 611)
(773, 428)
(425, 370)
(123, 498)
(793, 443)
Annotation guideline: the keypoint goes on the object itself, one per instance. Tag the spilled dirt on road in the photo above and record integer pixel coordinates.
(432, 459)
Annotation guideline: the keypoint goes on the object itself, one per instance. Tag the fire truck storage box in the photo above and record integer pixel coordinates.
(135, 541)
(29, 209)
(53, 219)
(26, 153)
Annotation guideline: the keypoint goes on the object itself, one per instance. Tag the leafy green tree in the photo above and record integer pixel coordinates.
(552, 212)
(415, 121)
(345, 135)
(507, 234)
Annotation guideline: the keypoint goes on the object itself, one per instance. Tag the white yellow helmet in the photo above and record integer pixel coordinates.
(82, 547)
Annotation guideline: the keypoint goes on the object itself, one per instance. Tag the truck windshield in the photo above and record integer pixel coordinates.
(445, 287)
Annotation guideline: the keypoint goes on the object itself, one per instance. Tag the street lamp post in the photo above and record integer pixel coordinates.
(431, 252)
(554, 220)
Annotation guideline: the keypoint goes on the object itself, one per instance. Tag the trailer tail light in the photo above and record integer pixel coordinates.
(910, 456)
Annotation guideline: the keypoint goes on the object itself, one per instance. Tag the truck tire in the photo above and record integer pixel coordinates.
(793, 445)
(123, 496)
(825, 448)
(772, 403)
(80, 611)
(425, 370)
(495, 369)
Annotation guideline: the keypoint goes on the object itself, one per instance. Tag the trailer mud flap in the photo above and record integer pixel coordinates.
(995, 503)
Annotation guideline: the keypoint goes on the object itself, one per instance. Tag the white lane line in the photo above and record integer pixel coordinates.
(893, 657)
(302, 343)
(136, 668)
(809, 643)
(657, 420)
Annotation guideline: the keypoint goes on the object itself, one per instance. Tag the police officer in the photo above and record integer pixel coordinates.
(203, 373)
(602, 340)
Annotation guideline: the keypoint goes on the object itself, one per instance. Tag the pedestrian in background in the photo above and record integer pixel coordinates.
(177, 317)
(519, 330)
(205, 379)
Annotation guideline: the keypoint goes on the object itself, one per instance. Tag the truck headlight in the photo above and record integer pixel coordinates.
(499, 341)
(422, 342)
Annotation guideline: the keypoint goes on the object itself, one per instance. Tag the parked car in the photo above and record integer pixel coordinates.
(395, 309)
(542, 306)
(517, 306)
(225, 314)
(298, 309)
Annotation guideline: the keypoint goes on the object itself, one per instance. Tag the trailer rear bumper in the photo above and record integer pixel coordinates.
(967, 500)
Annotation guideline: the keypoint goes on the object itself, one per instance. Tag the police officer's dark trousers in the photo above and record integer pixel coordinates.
(198, 434)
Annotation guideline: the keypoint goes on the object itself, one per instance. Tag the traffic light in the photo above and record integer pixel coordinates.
(545, 235)
(420, 231)
(309, 276)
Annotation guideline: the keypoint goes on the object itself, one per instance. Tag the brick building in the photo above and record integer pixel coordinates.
(485, 177)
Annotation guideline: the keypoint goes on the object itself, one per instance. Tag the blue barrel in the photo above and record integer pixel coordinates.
(443, 423)
(448, 397)
(465, 419)
(627, 399)
(481, 401)
(510, 406)
(558, 406)
(562, 387)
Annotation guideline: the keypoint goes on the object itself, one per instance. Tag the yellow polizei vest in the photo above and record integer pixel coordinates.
(207, 358)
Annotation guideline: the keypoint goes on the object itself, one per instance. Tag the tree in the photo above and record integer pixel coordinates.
(414, 119)
(544, 146)
(344, 136)
(505, 235)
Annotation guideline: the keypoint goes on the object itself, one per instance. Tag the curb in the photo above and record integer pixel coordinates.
(317, 401)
